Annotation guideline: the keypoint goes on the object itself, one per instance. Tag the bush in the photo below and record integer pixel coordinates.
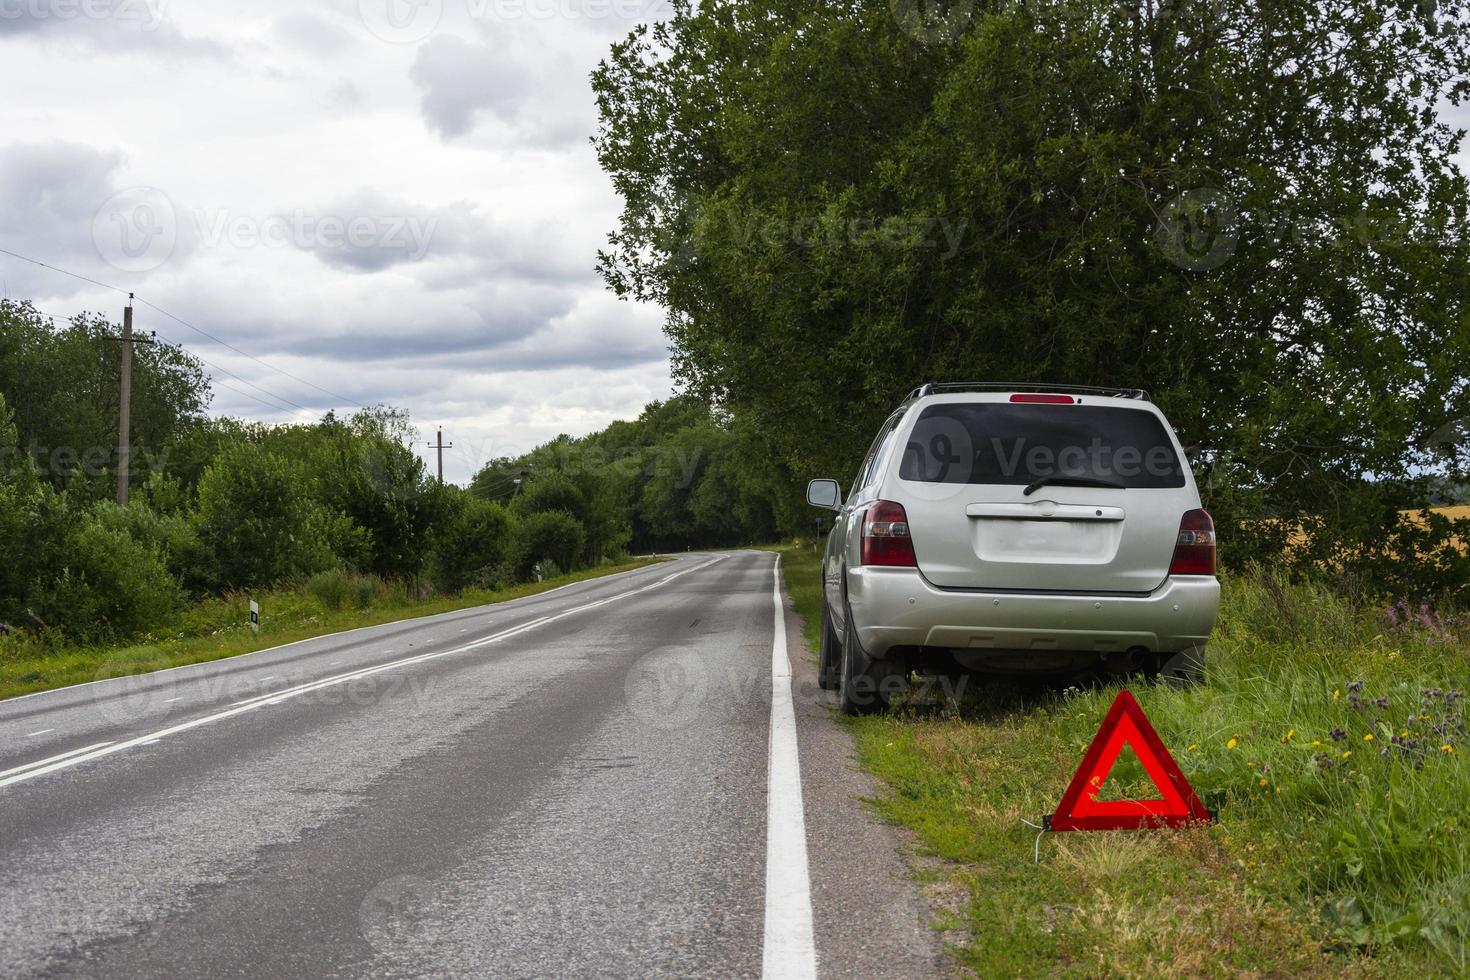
(554, 535)
(108, 585)
(472, 545)
(336, 589)
(258, 521)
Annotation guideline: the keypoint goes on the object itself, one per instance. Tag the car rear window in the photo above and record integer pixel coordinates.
(1004, 443)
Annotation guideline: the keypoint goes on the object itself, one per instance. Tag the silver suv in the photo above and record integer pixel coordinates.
(1015, 529)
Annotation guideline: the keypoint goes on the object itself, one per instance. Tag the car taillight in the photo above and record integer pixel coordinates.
(886, 538)
(1043, 400)
(1194, 552)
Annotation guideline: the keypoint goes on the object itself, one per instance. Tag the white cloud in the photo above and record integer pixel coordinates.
(405, 223)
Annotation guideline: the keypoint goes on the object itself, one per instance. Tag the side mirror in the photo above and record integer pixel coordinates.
(825, 494)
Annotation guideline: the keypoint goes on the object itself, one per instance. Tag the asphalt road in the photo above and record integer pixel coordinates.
(573, 784)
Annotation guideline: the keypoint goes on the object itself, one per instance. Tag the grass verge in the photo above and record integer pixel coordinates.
(217, 628)
(1331, 738)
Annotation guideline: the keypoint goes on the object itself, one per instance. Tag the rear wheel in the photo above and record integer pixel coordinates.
(1184, 669)
(829, 654)
(864, 684)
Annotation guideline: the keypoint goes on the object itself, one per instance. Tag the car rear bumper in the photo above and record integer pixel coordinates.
(894, 607)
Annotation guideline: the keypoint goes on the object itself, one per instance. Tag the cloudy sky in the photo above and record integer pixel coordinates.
(389, 201)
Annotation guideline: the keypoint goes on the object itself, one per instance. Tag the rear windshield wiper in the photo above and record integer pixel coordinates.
(1073, 481)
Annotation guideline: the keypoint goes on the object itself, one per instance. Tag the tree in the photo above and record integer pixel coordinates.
(1246, 207)
(472, 545)
(63, 386)
(554, 536)
(259, 522)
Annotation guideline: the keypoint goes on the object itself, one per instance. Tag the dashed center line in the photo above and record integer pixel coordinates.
(68, 760)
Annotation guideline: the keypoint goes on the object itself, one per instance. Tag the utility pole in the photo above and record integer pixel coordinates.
(125, 405)
(441, 447)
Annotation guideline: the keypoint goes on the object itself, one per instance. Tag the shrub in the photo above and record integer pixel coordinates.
(554, 535)
(471, 546)
(337, 589)
(107, 585)
(258, 521)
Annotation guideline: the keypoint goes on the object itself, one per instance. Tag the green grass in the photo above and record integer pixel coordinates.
(217, 628)
(1331, 858)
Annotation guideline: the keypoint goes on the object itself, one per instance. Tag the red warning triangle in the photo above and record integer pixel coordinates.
(1080, 808)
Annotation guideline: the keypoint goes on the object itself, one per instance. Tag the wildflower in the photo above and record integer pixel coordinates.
(1316, 742)
(1336, 694)
(1447, 748)
(1278, 789)
(1193, 747)
(1337, 734)
(1355, 687)
(1368, 737)
(1347, 754)
(1232, 743)
(1290, 734)
(1381, 703)
(1264, 782)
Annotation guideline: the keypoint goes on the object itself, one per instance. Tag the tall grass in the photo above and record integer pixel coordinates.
(1335, 746)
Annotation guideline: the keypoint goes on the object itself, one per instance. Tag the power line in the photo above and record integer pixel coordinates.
(202, 333)
(214, 367)
(27, 258)
(252, 357)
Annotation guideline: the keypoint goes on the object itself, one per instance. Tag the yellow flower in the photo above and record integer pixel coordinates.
(1278, 789)
(1193, 747)
(1290, 734)
(1368, 737)
(1263, 781)
(1346, 754)
(1336, 695)
(1232, 743)
(1316, 742)
(1447, 748)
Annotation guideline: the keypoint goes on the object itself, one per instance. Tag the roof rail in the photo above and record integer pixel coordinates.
(948, 387)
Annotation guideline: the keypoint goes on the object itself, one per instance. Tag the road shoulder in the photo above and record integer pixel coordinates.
(869, 914)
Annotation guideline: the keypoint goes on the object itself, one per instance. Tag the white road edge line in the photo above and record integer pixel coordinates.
(790, 944)
(67, 760)
(44, 731)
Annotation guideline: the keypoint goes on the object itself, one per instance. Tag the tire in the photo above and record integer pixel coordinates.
(863, 683)
(1184, 669)
(829, 654)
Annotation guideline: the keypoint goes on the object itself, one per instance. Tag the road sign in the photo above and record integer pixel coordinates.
(254, 615)
(1125, 724)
